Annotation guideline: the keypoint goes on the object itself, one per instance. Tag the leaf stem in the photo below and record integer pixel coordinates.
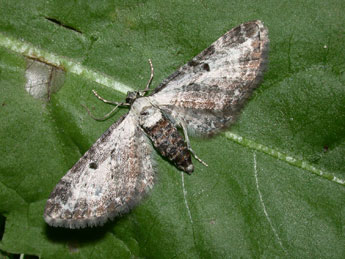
(27, 49)
(283, 157)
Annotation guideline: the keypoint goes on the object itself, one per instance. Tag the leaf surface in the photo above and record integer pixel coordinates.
(275, 182)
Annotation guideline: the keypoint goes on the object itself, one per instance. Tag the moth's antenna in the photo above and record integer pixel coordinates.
(105, 101)
(151, 77)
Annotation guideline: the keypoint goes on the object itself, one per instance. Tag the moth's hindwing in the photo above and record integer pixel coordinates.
(107, 181)
(209, 91)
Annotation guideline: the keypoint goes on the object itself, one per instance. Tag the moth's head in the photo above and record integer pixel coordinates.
(132, 96)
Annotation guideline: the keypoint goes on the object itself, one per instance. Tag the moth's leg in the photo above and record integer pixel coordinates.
(188, 143)
(104, 117)
(151, 77)
(106, 101)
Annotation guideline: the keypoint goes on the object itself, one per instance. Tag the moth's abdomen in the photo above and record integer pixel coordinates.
(165, 138)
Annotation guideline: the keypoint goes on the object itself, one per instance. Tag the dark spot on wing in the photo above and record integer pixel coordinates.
(93, 165)
(206, 67)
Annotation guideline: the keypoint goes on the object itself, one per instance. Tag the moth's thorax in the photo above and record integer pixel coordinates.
(165, 137)
(139, 104)
(150, 116)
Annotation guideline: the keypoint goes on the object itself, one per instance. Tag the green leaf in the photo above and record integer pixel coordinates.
(275, 182)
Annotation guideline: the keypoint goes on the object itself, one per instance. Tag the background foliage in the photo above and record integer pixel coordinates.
(246, 203)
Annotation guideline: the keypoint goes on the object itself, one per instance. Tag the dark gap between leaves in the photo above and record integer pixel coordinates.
(63, 25)
(4, 254)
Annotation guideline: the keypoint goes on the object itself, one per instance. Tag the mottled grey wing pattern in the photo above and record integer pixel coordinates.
(207, 93)
(108, 180)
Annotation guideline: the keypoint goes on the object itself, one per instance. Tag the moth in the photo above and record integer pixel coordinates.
(202, 97)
